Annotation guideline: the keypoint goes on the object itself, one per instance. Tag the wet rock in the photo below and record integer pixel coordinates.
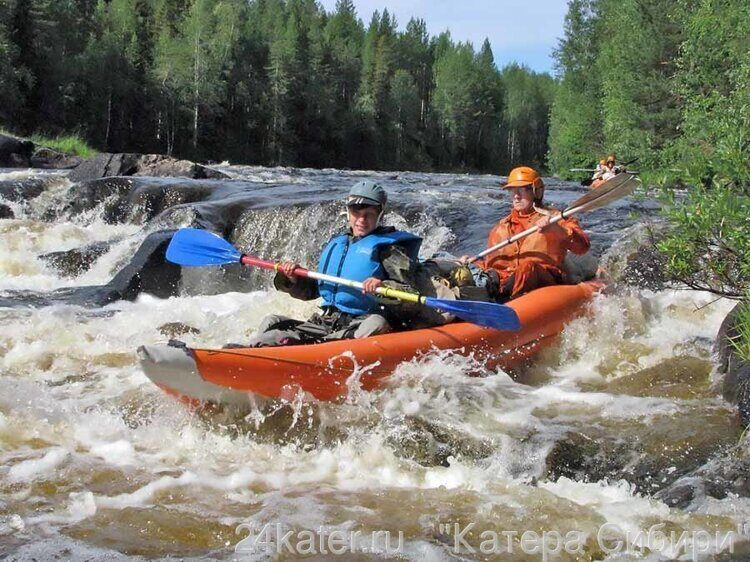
(430, 443)
(174, 329)
(72, 263)
(644, 268)
(683, 378)
(127, 164)
(580, 457)
(134, 199)
(650, 457)
(15, 152)
(23, 153)
(50, 159)
(728, 473)
(580, 268)
(634, 260)
(85, 196)
(679, 495)
(26, 189)
(6, 212)
(147, 272)
(736, 386)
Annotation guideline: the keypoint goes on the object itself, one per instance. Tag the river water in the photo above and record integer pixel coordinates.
(98, 464)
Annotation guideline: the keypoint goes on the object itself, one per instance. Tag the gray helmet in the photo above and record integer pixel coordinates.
(367, 192)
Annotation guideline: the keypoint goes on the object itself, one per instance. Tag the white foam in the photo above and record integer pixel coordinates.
(32, 469)
(118, 453)
(11, 524)
(74, 389)
(25, 240)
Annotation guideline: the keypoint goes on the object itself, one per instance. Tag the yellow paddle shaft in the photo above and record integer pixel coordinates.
(400, 295)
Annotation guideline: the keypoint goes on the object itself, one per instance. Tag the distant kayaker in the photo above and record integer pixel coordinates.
(538, 259)
(367, 252)
(610, 170)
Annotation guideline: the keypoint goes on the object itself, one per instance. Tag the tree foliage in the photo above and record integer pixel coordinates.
(708, 245)
(667, 82)
(265, 81)
(576, 131)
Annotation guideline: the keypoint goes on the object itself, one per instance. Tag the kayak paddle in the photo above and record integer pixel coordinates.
(616, 188)
(196, 247)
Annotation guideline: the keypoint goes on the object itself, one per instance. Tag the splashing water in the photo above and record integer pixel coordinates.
(98, 463)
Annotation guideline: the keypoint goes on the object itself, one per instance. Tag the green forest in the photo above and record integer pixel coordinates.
(279, 82)
(666, 82)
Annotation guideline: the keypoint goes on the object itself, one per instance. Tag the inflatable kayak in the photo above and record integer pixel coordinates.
(326, 370)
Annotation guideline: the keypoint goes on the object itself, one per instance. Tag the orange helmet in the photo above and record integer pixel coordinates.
(523, 176)
(611, 158)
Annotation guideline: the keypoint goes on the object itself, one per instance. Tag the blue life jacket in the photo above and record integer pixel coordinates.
(359, 261)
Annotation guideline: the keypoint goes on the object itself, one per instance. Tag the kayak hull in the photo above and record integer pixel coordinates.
(327, 370)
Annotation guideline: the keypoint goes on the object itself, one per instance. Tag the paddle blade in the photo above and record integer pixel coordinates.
(193, 247)
(487, 314)
(620, 191)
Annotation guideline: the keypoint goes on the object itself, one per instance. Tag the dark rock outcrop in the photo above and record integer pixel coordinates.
(87, 195)
(72, 263)
(736, 387)
(580, 457)
(50, 159)
(134, 199)
(6, 212)
(147, 272)
(23, 153)
(644, 268)
(126, 164)
(651, 458)
(15, 152)
(727, 474)
(27, 188)
(634, 261)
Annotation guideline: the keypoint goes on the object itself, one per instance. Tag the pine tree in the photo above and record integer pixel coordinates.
(637, 54)
(414, 55)
(192, 65)
(14, 77)
(576, 123)
(454, 100)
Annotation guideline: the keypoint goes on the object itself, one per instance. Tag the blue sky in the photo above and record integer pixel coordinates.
(521, 31)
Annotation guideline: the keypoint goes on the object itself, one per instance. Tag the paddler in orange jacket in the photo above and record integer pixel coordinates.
(538, 259)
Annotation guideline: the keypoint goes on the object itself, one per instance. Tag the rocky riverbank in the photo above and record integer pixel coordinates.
(23, 153)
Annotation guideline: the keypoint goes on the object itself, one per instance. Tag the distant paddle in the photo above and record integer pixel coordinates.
(195, 247)
(616, 188)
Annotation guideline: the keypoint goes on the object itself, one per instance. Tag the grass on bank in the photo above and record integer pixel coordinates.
(741, 342)
(69, 144)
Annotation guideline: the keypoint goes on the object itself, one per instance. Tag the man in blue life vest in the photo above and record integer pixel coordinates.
(367, 252)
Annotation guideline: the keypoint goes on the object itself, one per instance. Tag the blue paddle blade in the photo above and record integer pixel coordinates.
(487, 314)
(192, 246)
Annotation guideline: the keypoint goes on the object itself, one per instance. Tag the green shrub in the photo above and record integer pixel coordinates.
(708, 245)
(741, 342)
(69, 144)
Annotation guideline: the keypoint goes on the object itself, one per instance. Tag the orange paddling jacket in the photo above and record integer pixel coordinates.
(546, 249)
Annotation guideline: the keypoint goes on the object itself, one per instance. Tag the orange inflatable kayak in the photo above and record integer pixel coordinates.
(229, 376)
